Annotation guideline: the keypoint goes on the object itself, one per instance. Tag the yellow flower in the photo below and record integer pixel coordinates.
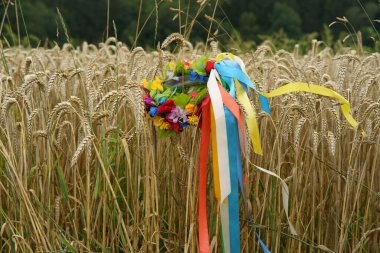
(165, 126)
(145, 83)
(158, 121)
(193, 120)
(171, 65)
(190, 108)
(157, 84)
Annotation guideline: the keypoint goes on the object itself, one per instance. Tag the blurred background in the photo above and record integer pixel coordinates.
(235, 24)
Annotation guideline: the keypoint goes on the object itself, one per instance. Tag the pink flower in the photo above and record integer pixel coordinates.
(177, 115)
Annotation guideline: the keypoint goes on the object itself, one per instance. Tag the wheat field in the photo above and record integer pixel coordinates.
(83, 170)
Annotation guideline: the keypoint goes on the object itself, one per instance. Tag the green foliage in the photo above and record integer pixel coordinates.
(286, 18)
(241, 25)
(181, 99)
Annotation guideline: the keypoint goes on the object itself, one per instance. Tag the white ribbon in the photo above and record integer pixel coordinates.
(221, 135)
(285, 197)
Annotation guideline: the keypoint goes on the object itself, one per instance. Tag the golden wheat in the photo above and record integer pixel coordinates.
(82, 170)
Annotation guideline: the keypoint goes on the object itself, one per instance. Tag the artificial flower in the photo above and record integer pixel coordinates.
(171, 65)
(190, 108)
(153, 111)
(209, 66)
(157, 84)
(193, 94)
(194, 76)
(176, 127)
(165, 126)
(187, 65)
(167, 106)
(193, 119)
(183, 124)
(149, 101)
(158, 121)
(162, 100)
(177, 114)
(145, 83)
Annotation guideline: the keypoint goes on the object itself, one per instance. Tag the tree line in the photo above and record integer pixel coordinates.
(243, 23)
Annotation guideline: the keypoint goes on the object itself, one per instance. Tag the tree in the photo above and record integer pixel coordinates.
(286, 18)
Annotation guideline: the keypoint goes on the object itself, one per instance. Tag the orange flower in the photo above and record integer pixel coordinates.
(190, 107)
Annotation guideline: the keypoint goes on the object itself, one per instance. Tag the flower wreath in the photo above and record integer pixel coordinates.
(173, 102)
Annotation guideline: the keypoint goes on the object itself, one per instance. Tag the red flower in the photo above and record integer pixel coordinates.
(176, 127)
(209, 66)
(166, 107)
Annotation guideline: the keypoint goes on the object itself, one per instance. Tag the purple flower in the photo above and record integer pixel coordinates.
(177, 115)
(149, 101)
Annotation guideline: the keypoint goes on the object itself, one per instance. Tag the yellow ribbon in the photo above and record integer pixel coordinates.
(215, 165)
(250, 119)
(316, 89)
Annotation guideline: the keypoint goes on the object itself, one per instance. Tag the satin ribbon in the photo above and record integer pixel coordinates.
(204, 245)
(222, 118)
(316, 89)
(221, 136)
(238, 81)
(230, 70)
(236, 180)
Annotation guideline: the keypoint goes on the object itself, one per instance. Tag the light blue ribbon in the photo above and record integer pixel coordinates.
(228, 70)
(236, 171)
(233, 198)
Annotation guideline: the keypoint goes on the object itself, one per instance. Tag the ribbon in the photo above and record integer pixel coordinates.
(204, 245)
(238, 81)
(285, 196)
(221, 136)
(252, 125)
(229, 70)
(221, 118)
(316, 89)
(233, 198)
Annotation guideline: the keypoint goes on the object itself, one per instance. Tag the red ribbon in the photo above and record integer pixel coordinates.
(205, 125)
(204, 245)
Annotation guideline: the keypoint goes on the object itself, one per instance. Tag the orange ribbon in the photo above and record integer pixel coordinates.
(207, 125)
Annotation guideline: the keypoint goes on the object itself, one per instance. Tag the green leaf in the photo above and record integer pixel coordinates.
(66, 243)
(199, 66)
(165, 133)
(180, 69)
(200, 96)
(182, 100)
(152, 93)
(62, 184)
(165, 94)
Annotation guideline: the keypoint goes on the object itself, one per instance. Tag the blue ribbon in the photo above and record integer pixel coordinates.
(236, 171)
(233, 198)
(229, 70)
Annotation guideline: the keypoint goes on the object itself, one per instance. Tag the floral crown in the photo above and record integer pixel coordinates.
(173, 101)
